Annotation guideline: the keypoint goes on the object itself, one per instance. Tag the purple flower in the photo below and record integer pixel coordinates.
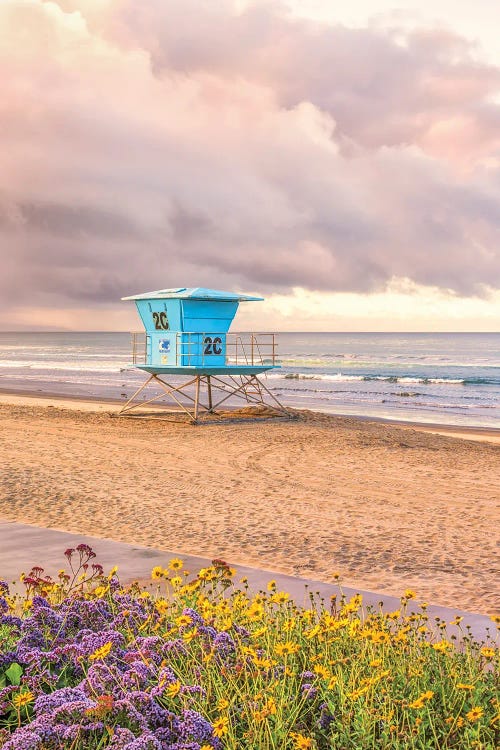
(326, 717)
(90, 641)
(176, 646)
(144, 742)
(45, 704)
(11, 620)
(7, 658)
(23, 739)
(122, 738)
(195, 616)
(192, 726)
(137, 674)
(223, 644)
(308, 691)
(5, 694)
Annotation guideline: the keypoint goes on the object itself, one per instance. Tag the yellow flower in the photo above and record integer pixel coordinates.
(376, 663)
(394, 615)
(190, 635)
(475, 713)
(161, 606)
(207, 574)
(175, 564)
(176, 581)
(112, 572)
(495, 619)
(280, 597)
(270, 706)
(207, 747)
(173, 689)
(22, 699)
(422, 699)
(331, 623)
(321, 671)
(100, 591)
(221, 726)
(462, 686)
(442, 646)
(259, 632)
(262, 662)
(222, 704)
(101, 652)
(301, 742)
(157, 572)
(313, 632)
(255, 612)
(409, 594)
(271, 585)
(353, 604)
(283, 649)
(183, 620)
(418, 703)
(379, 636)
(358, 693)
(489, 653)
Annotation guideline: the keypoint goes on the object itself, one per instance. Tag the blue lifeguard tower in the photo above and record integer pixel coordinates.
(187, 334)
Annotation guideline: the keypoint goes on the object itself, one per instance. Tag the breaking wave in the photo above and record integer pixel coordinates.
(342, 378)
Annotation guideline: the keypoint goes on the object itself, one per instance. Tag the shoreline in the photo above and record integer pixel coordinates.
(99, 404)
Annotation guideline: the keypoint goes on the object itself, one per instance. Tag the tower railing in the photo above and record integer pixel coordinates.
(139, 347)
(197, 348)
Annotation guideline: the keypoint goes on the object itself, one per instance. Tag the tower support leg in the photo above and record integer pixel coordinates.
(219, 389)
(209, 393)
(197, 397)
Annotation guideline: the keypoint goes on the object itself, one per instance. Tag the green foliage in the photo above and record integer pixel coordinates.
(265, 672)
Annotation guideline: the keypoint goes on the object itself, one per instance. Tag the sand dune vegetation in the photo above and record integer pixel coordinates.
(197, 662)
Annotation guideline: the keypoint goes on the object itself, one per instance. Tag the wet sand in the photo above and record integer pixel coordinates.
(386, 506)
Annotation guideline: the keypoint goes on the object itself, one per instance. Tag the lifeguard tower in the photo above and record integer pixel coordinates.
(187, 334)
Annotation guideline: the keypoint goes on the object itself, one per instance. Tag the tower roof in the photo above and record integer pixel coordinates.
(196, 293)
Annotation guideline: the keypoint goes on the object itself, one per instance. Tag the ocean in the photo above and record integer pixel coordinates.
(445, 378)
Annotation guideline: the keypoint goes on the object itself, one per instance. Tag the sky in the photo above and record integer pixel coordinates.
(340, 159)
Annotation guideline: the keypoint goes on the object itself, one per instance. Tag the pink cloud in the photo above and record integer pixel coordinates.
(149, 142)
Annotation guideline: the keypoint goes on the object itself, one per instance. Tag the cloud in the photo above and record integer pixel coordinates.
(162, 143)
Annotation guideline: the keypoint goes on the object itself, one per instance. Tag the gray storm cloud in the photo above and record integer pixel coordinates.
(150, 144)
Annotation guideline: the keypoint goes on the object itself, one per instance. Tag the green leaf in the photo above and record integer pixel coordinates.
(14, 673)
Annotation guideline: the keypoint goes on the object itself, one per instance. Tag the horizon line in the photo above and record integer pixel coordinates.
(253, 331)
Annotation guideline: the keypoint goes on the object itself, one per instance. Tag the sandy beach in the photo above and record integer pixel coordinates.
(387, 506)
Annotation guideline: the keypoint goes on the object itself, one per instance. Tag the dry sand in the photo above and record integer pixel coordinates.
(386, 506)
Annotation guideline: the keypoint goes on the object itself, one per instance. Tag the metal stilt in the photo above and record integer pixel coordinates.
(250, 389)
